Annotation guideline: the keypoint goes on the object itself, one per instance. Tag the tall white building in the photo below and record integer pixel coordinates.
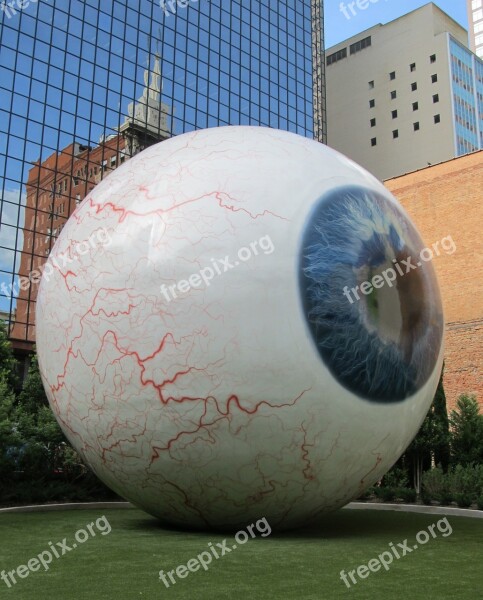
(406, 94)
(475, 20)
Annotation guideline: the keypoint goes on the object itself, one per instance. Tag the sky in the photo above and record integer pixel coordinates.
(339, 28)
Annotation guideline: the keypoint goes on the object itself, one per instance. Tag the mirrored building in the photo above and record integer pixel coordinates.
(85, 85)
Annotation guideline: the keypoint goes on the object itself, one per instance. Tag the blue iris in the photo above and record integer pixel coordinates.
(382, 345)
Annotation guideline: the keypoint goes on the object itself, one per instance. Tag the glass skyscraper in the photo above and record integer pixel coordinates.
(86, 84)
(467, 91)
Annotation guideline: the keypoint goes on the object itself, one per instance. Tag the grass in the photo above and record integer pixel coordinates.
(305, 564)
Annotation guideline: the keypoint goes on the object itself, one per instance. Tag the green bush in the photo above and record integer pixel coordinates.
(435, 484)
(479, 503)
(460, 483)
(387, 494)
(395, 478)
(366, 494)
(466, 480)
(406, 494)
(463, 500)
(446, 498)
(467, 432)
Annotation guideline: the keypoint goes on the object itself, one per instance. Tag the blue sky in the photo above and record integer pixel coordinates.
(338, 27)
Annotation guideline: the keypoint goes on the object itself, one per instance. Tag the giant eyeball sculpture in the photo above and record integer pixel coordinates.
(238, 323)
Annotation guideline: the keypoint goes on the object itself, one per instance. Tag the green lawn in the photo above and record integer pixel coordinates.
(306, 565)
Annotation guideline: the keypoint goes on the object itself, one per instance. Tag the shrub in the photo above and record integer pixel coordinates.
(479, 503)
(435, 484)
(460, 483)
(395, 478)
(387, 494)
(467, 431)
(446, 498)
(366, 494)
(463, 500)
(406, 494)
(466, 480)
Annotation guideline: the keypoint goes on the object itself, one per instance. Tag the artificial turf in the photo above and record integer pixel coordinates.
(303, 564)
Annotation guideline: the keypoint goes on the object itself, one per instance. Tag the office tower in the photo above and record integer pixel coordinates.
(475, 21)
(404, 95)
(84, 85)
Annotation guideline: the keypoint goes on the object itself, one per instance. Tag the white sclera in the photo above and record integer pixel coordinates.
(211, 408)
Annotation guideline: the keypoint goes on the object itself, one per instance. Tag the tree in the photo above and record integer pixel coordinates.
(9, 437)
(431, 441)
(442, 434)
(8, 364)
(33, 396)
(418, 454)
(37, 424)
(467, 431)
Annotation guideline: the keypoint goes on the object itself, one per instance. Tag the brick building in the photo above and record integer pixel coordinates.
(56, 186)
(445, 200)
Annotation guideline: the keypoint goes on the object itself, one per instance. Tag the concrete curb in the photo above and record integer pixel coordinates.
(66, 506)
(416, 508)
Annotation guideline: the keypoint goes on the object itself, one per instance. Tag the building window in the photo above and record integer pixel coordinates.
(339, 55)
(437, 119)
(415, 105)
(432, 58)
(394, 114)
(414, 86)
(77, 199)
(412, 67)
(416, 126)
(113, 162)
(373, 122)
(360, 45)
(434, 78)
(393, 95)
(392, 75)
(372, 103)
(373, 141)
(395, 133)
(371, 84)
(435, 98)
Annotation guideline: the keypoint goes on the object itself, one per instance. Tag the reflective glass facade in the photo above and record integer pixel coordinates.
(467, 88)
(86, 84)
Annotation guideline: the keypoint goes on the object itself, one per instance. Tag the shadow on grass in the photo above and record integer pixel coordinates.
(343, 524)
